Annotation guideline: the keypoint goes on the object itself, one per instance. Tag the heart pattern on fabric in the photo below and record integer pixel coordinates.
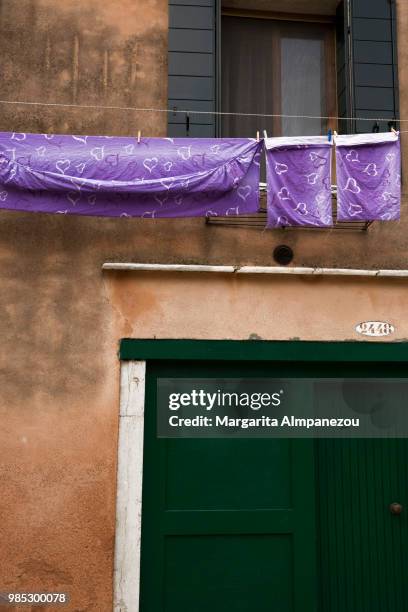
(73, 197)
(327, 183)
(355, 209)
(281, 168)
(352, 186)
(112, 160)
(257, 159)
(299, 182)
(150, 163)
(62, 165)
(98, 153)
(184, 153)
(3, 196)
(317, 160)
(161, 199)
(82, 139)
(312, 178)
(244, 192)
(390, 198)
(80, 168)
(13, 172)
(19, 136)
(370, 187)
(284, 194)
(301, 208)
(95, 175)
(198, 161)
(167, 184)
(352, 156)
(371, 170)
(78, 183)
(24, 161)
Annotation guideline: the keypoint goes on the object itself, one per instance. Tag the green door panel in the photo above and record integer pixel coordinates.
(228, 572)
(228, 480)
(363, 547)
(228, 525)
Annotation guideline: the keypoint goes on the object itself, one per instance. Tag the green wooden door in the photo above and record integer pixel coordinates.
(228, 524)
(363, 546)
(232, 525)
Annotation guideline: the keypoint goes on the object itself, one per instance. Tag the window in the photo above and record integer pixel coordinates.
(277, 67)
(243, 62)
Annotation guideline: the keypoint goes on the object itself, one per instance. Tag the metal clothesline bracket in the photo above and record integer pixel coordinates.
(258, 220)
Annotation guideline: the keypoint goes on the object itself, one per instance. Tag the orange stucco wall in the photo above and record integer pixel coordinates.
(252, 306)
(62, 318)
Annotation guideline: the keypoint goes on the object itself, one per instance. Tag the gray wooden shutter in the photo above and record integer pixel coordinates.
(192, 67)
(367, 63)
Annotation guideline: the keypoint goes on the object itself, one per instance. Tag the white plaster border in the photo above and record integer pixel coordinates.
(295, 270)
(129, 487)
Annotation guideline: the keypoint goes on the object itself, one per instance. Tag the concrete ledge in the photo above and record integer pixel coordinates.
(139, 267)
(321, 271)
(166, 267)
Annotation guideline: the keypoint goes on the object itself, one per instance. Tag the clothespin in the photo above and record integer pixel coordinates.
(329, 135)
(257, 136)
(139, 135)
(188, 124)
(265, 134)
(394, 131)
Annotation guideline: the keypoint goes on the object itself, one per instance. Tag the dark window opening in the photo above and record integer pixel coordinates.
(279, 68)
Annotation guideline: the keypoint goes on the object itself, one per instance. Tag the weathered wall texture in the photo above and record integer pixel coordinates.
(252, 306)
(58, 364)
(61, 318)
(110, 53)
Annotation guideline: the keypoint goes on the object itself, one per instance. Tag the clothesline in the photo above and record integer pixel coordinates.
(197, 112)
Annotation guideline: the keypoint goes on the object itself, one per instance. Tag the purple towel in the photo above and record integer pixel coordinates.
(119, 177)
(299, 181)
(368, 177)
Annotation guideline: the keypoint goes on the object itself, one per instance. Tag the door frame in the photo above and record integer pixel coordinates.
(133, 354)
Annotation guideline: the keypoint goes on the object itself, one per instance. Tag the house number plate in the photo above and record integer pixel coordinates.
(375, 328)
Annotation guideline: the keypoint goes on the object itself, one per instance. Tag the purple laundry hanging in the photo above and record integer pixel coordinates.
(119, 177)
(368, 177)
(299, 181)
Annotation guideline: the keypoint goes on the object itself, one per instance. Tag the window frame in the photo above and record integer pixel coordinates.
(325, 24)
